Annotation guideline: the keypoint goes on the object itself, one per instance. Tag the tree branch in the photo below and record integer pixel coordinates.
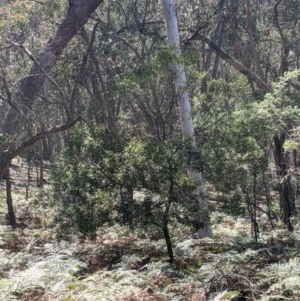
(31, 85)
(260, 83)
(8, 155)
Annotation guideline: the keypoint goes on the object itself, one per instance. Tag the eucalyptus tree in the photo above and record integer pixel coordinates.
(30, 85)
(22, 101)
(259, 41)
(126, 37)
(184, 104)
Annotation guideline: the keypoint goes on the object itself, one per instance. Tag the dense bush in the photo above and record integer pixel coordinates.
(96, 176)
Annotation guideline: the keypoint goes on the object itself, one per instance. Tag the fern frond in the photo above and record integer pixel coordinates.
(110, 285)
(7, 236)
(280, 277)
(9, 261)
(230, 281)
(289, 283)
(51, 274)
(127, 262)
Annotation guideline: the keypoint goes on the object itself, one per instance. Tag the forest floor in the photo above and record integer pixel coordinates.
(121, 265)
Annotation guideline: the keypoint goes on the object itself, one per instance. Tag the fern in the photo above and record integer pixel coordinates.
(10, 261)
(292, 282)
(157, 269)
(280, 277)
(109, 285)
(242, 243)
(276, 297)
(229, 281)
(48, 275)
(184, 248)
(62, 249)
(127, 262)
(7, 236)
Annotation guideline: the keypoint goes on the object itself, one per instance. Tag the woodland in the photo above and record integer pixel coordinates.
(149, 150)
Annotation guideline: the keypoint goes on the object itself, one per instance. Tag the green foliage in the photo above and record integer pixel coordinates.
(235, 138)
(83, 209)
(96, 176)
(50, 273)
(233, 204)
(159, 67)
(281, 280)
(230, 294)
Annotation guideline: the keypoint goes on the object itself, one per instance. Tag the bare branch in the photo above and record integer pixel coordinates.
(31, 85)
(8, 155)
(134, 50)
(83, 63)
(111, 118)
(260, 83)
(52, 81)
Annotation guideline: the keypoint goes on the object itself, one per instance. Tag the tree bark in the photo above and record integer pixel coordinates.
(11, 213)
(252, 43)
(41, 177)
(184, 103)
(218, 61)
(286, 195)
(31, 84)
(168, 242)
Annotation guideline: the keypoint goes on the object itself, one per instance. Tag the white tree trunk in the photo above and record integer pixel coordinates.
(184, 102)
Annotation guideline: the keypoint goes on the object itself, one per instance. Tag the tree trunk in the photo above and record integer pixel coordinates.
(11, 213)
(28, 177)
(31, 84)
(252, 43)
(184, 103)
(218, 64)
(105, 96)
(168, 242)
(287, 202)
(41, 178)
(286, 195)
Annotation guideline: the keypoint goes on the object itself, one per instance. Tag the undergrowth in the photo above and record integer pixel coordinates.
(122, 265)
